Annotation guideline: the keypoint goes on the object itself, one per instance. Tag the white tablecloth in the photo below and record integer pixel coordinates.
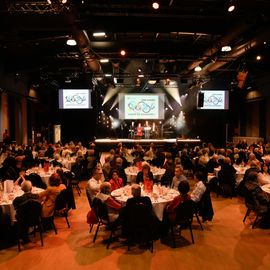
(160, 197)
(6, 201)
(132, 172)
(68, 162)
(44, 175)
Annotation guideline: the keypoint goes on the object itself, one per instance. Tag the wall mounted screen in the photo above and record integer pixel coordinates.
(141, 106)
(215, 100)
(74, 99)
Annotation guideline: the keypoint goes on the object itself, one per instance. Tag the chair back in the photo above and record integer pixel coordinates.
(140, 223)
(36, 180)
(100, 209)
(249, 200)
(184, 212)
(89, 199)
(29, 212)
(61, 200)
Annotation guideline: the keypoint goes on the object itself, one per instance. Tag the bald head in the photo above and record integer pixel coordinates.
(26, 186)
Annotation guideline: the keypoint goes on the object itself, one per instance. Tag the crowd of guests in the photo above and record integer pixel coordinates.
(179, 161)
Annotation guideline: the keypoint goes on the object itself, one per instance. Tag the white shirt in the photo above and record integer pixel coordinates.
(92, 187)
(198, 192)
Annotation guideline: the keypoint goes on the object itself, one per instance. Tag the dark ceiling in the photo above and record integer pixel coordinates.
(169, 42)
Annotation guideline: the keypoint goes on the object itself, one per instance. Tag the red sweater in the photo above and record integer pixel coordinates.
(116, 183)
(172, 206)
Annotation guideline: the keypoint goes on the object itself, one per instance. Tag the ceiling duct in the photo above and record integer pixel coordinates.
(217, 46)
(240, 50)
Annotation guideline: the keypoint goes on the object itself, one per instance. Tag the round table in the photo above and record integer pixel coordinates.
(132, 172)
(160, 197)
(68, 162)
(45, 176)
(6, 201)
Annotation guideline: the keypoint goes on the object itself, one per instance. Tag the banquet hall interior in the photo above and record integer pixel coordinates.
(134, 134)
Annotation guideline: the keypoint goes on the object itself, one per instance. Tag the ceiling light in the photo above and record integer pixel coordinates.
(140, 75)
(108, 75)
(198, 68)
(258, 57)
(99, 34)
(104, 60)
(49, 2)
(264, 42)
(64, 1)
(226, 48)
(155, 5)
(232, 6)
(123, 52)
(139, 70)
(71, 42)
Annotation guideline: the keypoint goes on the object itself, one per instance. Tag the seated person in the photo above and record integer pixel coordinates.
(264, 176)
(171, 208)
(116, 182)
(22, 177)
(260, 198)
(107, 167)
(93, 185)
(167, 177)
(178, 177)
(49, 195)
(212, 164)
(137, 198)
(226, 176)
(119, 167)
(26, 187)
(56, 161)
(62, 185)
(199, 188)
(145, 174)
(113, 205)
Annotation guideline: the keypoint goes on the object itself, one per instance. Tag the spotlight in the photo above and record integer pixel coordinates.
(232, 6)
(226, 48)
(107, 75)
(258, 58)
(49, 2)
(99, 34)
(198, 68)
(139, 70)
(155, 5)
(71, 42)
(123, 52)
(140, 75)
(64, 1)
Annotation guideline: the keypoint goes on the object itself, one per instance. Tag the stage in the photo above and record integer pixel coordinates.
(158, 141)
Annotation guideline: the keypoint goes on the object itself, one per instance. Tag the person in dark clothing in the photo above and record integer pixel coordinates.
(26, 187)
(145, 174)
(212, 164)
(226, 177)
(119, 167)
(49, 152)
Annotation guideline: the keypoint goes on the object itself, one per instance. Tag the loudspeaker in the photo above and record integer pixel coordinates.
(200, 100)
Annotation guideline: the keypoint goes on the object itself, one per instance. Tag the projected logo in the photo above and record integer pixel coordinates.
(141, 107)
(213, 100)
(75, 99)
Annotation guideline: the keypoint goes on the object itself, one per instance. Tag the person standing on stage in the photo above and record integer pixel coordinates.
(147, 129)
(139, 130)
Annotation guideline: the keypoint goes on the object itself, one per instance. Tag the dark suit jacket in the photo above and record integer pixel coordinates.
(138, 200)
(22, 199)
(139, 177)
